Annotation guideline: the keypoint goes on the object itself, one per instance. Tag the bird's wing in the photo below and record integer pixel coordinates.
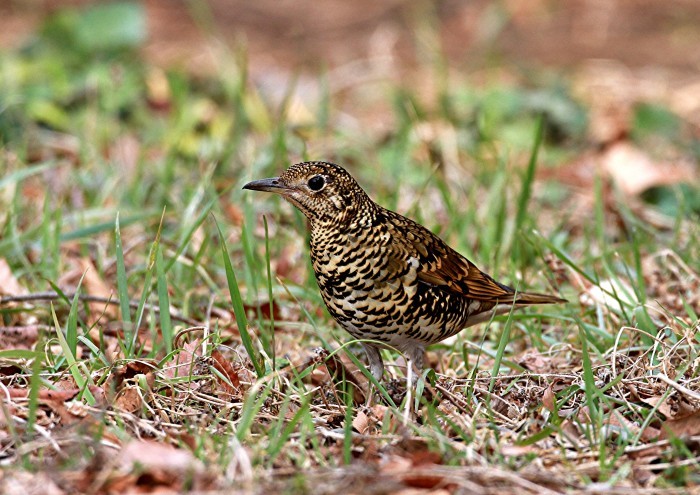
(439, 265)
(445, 267)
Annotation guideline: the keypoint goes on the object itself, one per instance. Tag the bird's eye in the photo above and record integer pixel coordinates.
(316, 183)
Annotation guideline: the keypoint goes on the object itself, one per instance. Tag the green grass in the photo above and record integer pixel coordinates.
(92, 168)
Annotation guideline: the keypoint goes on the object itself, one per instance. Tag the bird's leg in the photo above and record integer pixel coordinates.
(414, 366)
(376, 365)
(409, 388)
(414, 357)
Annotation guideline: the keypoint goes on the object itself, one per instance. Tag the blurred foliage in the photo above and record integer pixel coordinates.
(100, 29)
(508, 113)
(680, 200)
(78, 58)
(651, 119)
(93, 132)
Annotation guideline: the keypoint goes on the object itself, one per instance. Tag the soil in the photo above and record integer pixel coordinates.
(295, 34)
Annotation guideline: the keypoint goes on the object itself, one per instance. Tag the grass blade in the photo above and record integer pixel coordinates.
(23, 173)
(239, 308)
(190, 232)
(526, 190)
(73, 367)
(34, 384)
(166, 325)
(502, 343)
(269, 343)
(122, 287)
(72, 323)
(92, 230)
(347, 426)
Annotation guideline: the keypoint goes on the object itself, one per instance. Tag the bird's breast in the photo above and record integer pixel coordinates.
(361, 285)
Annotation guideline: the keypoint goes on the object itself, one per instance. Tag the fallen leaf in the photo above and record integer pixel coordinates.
(150, 467)
(414, 468)
(618, 422)
(344, 370)
(44, 394)
(423, 479)
(20, 337)
(125, 152)
(319, 376)
(570, 432)
(158, 95)
(518, 450)
(16, 482)
(224, 367)
(633, 171)
(182, 363)
(686, 426)
(9, 285)
(548, 399)
(534, 361)
(96, 286)
(360, 423)
(155, 455)
(378, 411)
(129, 399)
(609, 293)
(664, 408)
(130, 370)
(264, 309)
(234, 214)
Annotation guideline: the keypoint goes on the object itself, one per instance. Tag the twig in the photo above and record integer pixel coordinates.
(52, 296)
(678, 386)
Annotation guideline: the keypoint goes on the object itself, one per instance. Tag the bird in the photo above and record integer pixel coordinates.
(386, 279)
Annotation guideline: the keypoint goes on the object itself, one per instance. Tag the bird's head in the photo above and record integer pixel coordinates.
(323, 191)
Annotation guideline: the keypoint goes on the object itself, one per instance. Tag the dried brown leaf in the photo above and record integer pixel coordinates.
(21, 337)
(155, 455)
(125, 152)
(16, 482)
(158, 95)
(183, 362)
(151, 467)
(224, 367)
(129, 399)
(548, 399)
(9, 285)
(132, 368)
(234, 214)
(413, 469)
(44, 394)
(633, 171)
(342, 369)
(686, 426)
(617, 420)
(512, 450)
(95, 286)
(378, 411)
(664, 408)
(361, 423)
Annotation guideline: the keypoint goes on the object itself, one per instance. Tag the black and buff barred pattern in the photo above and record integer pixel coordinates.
(382, 276)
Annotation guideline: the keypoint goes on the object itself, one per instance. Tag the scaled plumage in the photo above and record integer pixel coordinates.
(383, 276)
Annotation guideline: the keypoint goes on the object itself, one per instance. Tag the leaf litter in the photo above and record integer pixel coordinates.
(541, 413)
(530, 430)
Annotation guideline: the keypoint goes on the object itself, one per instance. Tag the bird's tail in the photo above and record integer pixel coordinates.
(526, 298)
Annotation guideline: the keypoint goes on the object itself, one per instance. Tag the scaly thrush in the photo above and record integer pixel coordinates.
(383, 276)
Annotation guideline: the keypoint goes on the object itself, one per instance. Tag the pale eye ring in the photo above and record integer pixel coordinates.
(316, 182)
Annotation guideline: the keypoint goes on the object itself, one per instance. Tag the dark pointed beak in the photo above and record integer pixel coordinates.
(270, 185)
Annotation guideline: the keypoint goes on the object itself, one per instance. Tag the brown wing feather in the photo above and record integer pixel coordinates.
(441, 266)
(451, 270)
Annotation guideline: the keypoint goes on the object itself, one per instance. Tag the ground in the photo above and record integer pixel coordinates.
(162, 330)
